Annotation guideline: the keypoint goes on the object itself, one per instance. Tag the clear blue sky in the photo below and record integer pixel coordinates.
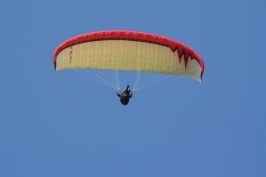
(64, 124)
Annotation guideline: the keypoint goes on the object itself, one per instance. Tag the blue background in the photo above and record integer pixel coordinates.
(65, 124)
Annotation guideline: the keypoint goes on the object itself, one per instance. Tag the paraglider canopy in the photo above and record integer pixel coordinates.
(129, 50)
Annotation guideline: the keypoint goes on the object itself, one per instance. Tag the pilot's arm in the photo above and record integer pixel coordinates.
(118, 94)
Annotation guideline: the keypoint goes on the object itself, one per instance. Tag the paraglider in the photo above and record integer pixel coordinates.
(125, 96)
(98, 54)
